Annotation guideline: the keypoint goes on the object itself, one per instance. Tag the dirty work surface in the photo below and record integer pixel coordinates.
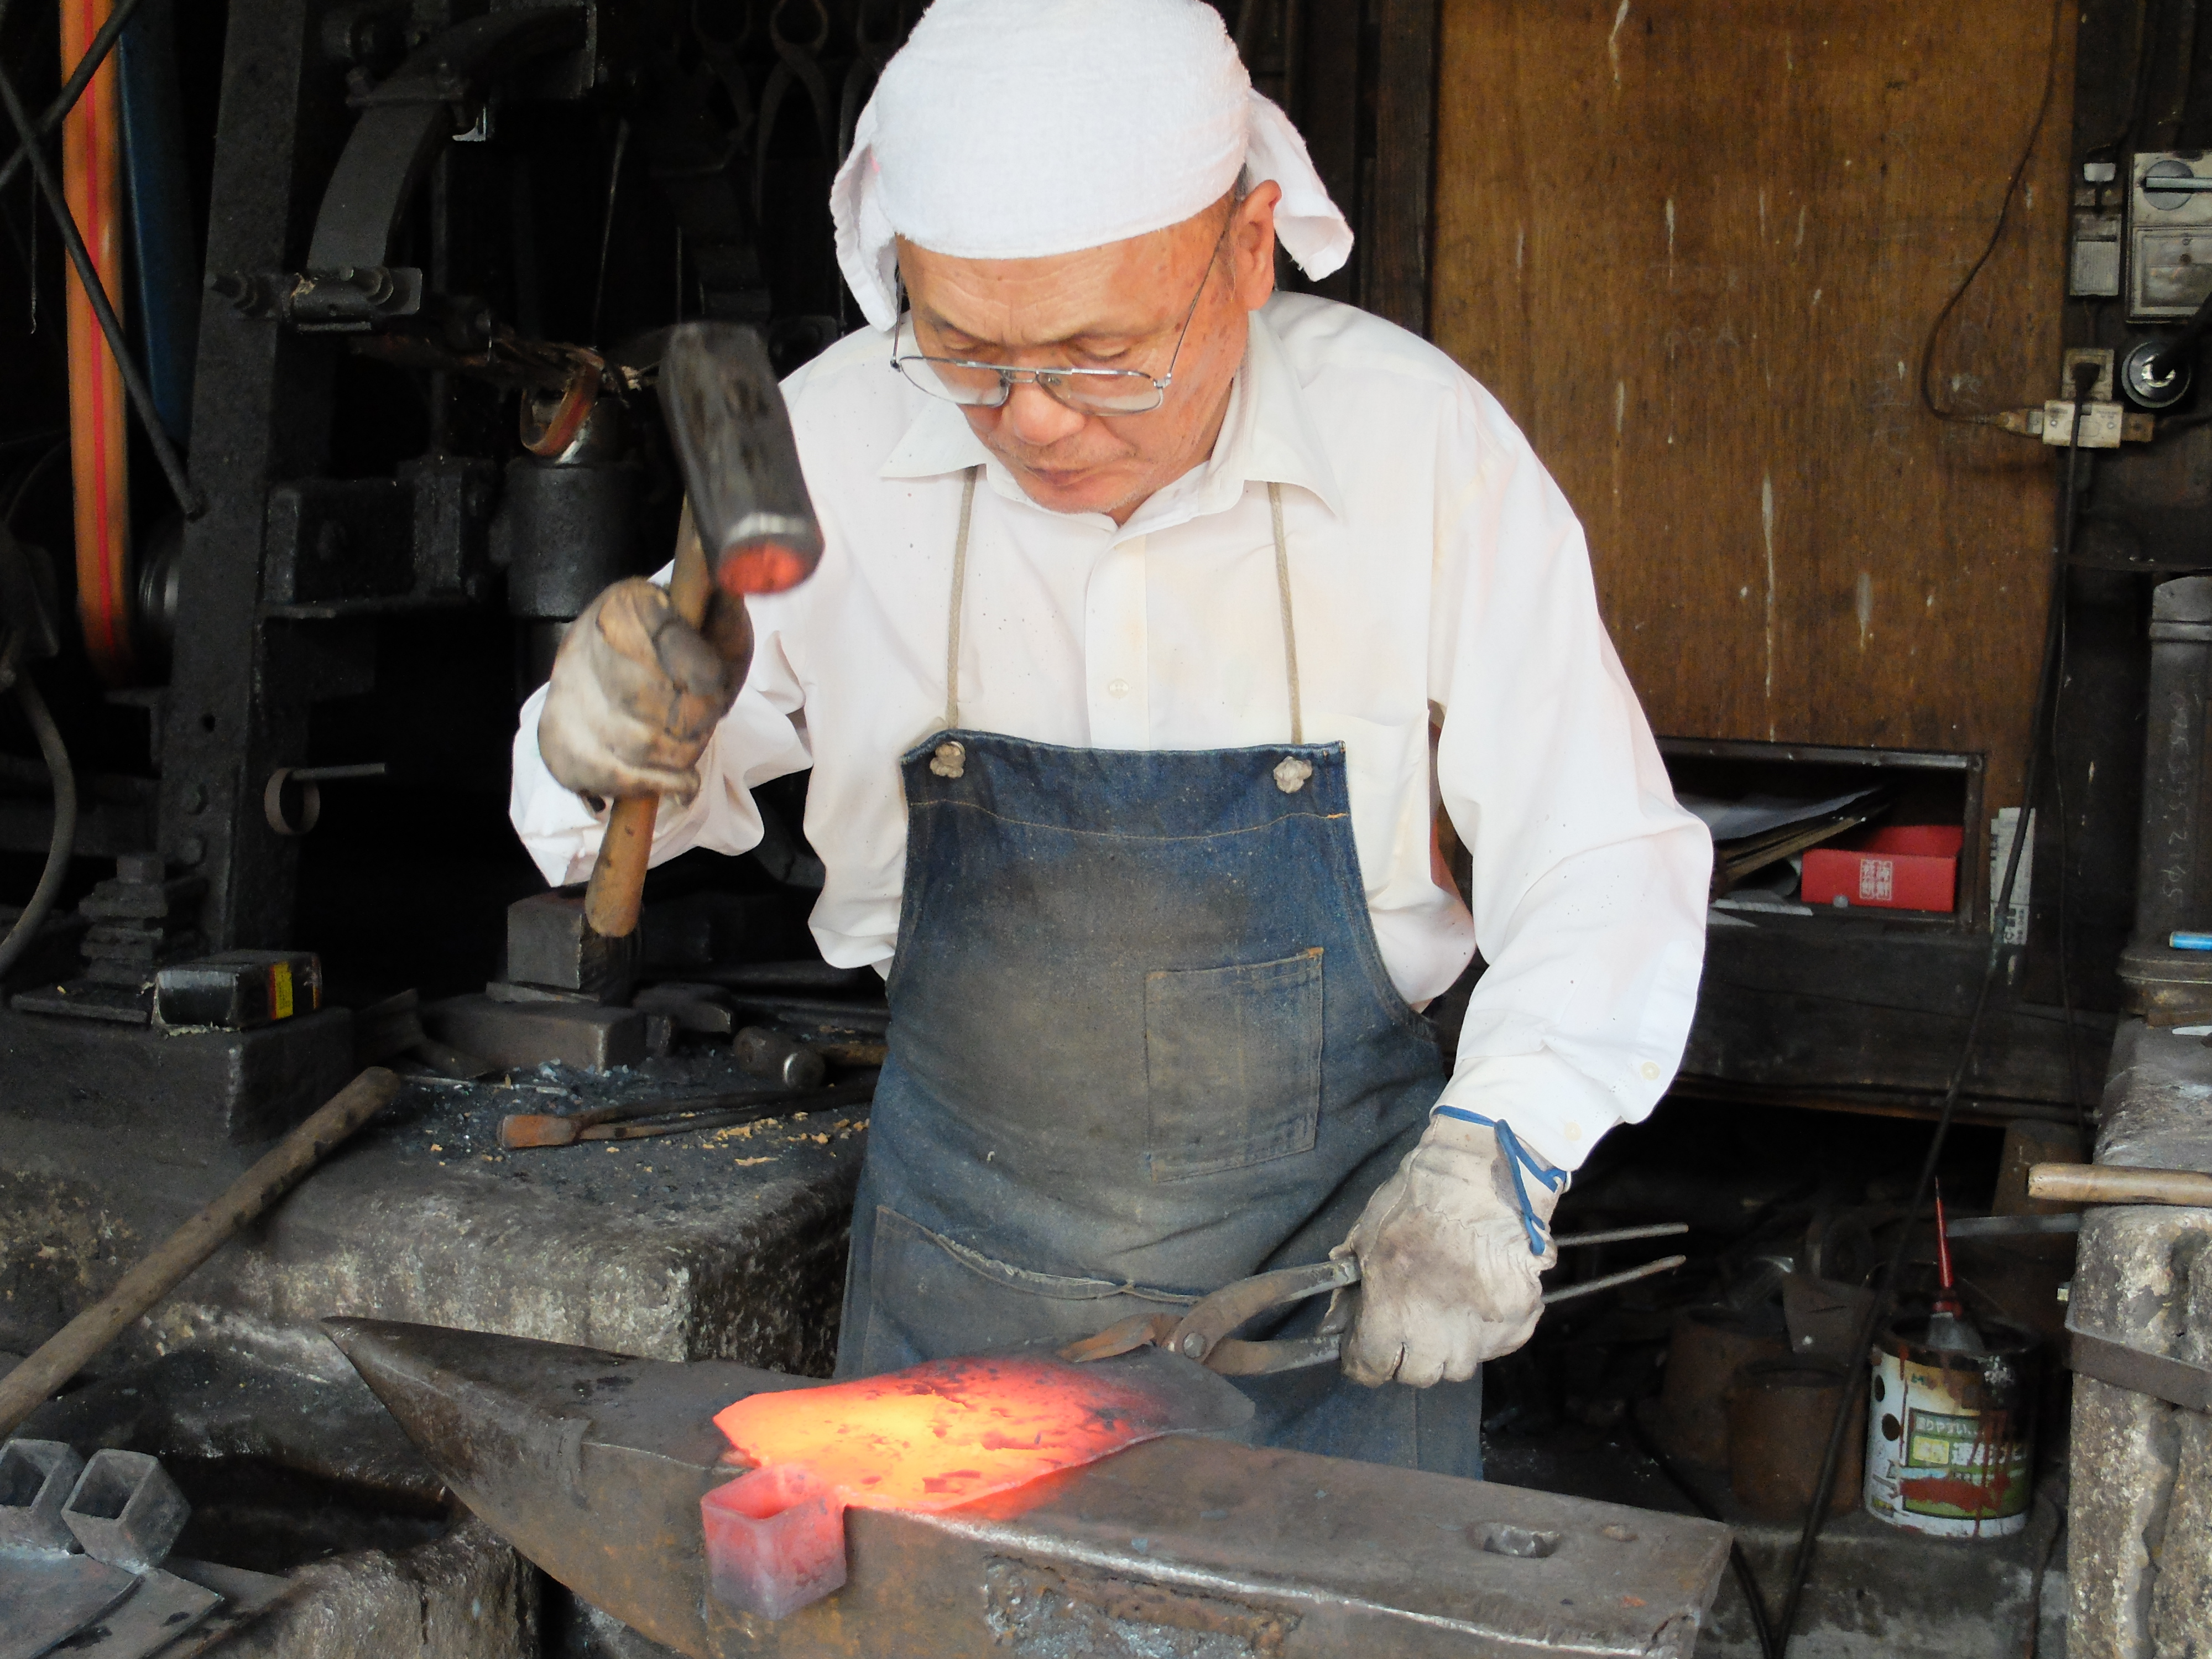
(456, 1125)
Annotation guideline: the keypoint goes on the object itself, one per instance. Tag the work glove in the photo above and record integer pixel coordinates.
(637, 691)
(1450, 1250)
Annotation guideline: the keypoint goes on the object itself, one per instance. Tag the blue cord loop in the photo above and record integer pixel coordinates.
(1517, 1158)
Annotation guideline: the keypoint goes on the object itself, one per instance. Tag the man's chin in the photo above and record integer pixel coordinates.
(1073, 490)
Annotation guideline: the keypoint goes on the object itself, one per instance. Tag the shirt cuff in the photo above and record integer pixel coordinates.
(1558, 1113)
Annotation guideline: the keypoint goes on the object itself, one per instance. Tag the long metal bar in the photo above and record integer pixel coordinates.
(188, 499)
(1622, 1234)
(1665, 1264)
(73, 89)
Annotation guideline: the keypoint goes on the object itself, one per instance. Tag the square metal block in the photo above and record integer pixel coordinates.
(125, 1510)
(36, 1478)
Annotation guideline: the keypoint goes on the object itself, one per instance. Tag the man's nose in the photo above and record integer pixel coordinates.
(1038, 418)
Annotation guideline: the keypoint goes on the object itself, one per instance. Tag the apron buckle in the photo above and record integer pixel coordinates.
(1290, 774)
(950, 761)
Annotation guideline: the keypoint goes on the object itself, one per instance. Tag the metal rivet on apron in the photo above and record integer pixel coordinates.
(950, 760)
(1291, 774)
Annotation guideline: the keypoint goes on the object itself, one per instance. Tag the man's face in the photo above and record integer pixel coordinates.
(1116, 307)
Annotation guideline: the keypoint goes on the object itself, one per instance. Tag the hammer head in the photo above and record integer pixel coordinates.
(740, 462)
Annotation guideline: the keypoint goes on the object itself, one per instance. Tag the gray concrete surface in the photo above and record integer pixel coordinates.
(2139, 1554)
(466, 1596)
(722, 1244)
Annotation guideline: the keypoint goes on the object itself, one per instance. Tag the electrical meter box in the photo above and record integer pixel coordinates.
(2169, 233)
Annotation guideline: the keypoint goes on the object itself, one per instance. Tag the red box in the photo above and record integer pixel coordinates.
(1908, 867)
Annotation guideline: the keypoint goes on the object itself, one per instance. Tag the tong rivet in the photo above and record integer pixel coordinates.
(1194, 1345)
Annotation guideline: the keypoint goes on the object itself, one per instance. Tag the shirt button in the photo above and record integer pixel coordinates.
(1650, 1070)
(1117, 687)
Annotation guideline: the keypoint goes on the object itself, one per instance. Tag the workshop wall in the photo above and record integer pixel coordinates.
(1696, 250)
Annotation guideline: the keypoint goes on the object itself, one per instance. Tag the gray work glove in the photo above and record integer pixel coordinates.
(1447, 1279)
(637, 691)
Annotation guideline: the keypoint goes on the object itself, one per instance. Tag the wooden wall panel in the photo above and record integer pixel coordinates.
(1695, 248)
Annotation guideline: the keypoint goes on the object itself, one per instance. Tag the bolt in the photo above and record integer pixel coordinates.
(1194, 1345)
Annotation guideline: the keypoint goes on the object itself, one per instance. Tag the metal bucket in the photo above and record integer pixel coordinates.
(1707, 1348)
(1779, 1413)
(1951, 1437)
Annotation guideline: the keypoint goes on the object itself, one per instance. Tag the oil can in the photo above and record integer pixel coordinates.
(1950, 1435)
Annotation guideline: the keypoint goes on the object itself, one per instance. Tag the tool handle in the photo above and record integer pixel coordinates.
(617, 886)
(2113, 1183)
(66, 1352)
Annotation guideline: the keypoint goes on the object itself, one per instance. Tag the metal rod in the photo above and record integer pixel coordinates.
(337, 774)
(1624, 1235)
(73, 89)
(1665, 1264)
(189, 500)
(281, 1168)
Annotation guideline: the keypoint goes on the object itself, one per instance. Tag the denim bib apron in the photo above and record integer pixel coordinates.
(1142, 1044)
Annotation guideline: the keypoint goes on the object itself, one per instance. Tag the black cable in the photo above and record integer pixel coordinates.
(188, 499)
(1762, 1628)
(2004, 217)
(1885, 1287)
(2138, 72)
(42, 904)
(2079, 1096)
(2170, 358)
(31, 477)
(72, 90)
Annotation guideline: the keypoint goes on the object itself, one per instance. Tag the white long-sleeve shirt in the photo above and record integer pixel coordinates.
(1436, 573)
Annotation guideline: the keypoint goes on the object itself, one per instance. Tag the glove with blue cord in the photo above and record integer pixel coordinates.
(1451, 1248)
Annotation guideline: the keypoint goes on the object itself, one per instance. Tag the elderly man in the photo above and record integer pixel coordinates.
(1158, 613)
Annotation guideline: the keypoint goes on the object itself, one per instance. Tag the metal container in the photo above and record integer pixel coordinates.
(1779, 1412)
(1951, 1437)
(1707, 1348)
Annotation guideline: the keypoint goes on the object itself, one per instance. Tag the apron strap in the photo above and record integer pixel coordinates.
(1290, 634)
(960, 588)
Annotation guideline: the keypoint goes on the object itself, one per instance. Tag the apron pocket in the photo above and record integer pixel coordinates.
(929, 1298)
(1232, 1065)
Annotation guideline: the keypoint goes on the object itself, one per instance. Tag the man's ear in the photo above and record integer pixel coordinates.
(1252, 245)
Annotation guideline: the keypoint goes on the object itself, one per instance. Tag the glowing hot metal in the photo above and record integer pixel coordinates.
(929, 1438)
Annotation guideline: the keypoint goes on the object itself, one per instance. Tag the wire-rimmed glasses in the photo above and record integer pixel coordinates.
(975, 385)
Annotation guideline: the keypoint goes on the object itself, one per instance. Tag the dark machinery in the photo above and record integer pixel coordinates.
(445, 244)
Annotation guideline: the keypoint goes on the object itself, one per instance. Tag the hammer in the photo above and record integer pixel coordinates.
(750, 528)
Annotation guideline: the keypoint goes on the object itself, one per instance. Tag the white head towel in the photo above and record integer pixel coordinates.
(1009, 129)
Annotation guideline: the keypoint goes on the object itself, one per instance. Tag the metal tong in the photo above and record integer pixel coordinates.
(1203, 1333)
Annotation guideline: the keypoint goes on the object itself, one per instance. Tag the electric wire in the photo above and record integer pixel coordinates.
(56, 755)
(2004, 218)
(95, 54)
(1886, 1286)
(189, 500)
(1762, 1627)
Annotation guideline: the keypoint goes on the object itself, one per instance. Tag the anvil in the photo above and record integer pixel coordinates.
(593, 1464)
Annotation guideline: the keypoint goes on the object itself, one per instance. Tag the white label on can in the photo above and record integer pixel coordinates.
(1936, 1465)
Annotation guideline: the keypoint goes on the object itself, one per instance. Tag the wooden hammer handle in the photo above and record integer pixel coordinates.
(2113, 1183)
(618, 885)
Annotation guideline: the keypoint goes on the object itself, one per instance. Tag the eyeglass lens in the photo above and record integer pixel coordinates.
(1117, 391)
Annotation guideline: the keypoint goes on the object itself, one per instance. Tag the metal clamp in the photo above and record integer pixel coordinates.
(2121, 1365)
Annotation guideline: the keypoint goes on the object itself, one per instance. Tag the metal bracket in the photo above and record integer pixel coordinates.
(2092, 1354)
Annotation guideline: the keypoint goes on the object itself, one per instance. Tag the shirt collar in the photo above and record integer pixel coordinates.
(1267, 436)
